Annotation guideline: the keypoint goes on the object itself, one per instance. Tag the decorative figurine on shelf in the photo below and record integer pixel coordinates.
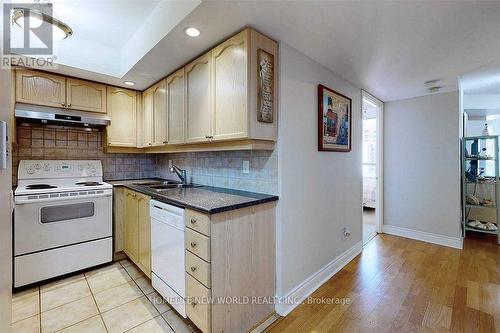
(486, 132)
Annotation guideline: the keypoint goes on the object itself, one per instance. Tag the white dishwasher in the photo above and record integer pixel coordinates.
(167, 254)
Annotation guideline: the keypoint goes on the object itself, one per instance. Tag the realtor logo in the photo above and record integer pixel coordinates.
(28, 35)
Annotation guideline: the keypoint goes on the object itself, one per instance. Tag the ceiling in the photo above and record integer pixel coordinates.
(387, 48)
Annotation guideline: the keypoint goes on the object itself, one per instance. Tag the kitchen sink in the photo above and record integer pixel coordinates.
(164, 186)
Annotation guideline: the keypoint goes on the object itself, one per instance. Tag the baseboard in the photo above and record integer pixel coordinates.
(307, 287)
(455, 242)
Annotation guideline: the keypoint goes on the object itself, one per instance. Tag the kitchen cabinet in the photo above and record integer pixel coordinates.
(230, 255)
(118, 217)
(40, 88)
(147, 118)
(85, 95)
(122, 109)
(155, 115)
(137, 230)
(175, 107)
(160, 116)
(198, 100)
(230, 88)
(46, 89)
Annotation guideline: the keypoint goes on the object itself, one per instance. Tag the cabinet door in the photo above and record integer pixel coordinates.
(118, 217)
(229, 74)
(175, 106)
(160, 114)
(147, 118)
(122, 109)
(85, 95)
(198, 100)
(131, 226)
(40, 88)
(144, 236)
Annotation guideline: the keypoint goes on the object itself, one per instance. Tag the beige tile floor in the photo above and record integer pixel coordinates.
(115, 298)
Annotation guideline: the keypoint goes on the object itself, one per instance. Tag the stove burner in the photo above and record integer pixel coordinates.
(89, 183)
(39, 186)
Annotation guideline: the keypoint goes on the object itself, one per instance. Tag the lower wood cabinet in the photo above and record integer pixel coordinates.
(137, 230)
(230, 255)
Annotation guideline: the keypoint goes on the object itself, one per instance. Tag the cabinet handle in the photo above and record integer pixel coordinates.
(193, 244)
(209, 137)
(164, 141)
(150, 144)
(69, 105)
(63, 104)
(193, 220)
(193, 268)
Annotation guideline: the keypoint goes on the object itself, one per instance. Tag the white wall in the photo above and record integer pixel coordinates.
(5, 213)
(320, 192)
(421, 164)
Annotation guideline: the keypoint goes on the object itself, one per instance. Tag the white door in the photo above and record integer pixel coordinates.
(372, 112)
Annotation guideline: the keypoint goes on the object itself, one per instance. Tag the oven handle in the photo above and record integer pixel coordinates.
(22, 201)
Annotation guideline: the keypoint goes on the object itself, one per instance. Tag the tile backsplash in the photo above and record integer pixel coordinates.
(221, 169)
(224, 169)
(51, 142)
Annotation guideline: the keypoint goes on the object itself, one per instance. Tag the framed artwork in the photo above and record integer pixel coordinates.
(334, 120)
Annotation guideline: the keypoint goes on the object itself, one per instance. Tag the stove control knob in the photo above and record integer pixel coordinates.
(46, 167)
(38, 166)
(80, 167)
(30, 170)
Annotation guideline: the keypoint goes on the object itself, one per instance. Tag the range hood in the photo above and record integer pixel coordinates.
(59, 116)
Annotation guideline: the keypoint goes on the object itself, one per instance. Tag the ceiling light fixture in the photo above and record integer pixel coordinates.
(434, 89)
(129, 83)
(192, 32)
(60, 30)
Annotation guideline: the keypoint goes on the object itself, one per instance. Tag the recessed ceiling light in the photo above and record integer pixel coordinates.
(192, 32)
(60, 30)
(129, 83)
(431, 83)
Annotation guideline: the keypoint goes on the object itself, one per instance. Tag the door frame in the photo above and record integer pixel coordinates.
(379, 206)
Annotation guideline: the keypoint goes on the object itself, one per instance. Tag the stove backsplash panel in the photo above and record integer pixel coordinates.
(52, 142)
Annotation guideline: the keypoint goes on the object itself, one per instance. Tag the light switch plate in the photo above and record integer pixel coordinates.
(246, 166)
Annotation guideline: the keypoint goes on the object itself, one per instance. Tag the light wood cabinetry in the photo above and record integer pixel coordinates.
(40, 88)
(230, 88)
(47, 89)
(122, 109)
(118, 217)
(198, 100)
(85, 95)
(147, 118)
(175, 107)
(160, 116)
(137, 230)
(155, 115)
(233, 257)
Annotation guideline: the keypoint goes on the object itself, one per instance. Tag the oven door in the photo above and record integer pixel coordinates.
(43, 225)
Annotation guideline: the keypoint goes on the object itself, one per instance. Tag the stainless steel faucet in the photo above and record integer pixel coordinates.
(180, 173)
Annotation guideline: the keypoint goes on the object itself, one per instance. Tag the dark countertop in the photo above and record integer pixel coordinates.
(205, 199)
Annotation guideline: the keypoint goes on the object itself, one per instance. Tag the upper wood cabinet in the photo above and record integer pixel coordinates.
(147, 118)
(230, 88)
(40, 88)
(160, 116)
(122, 109)
(198, 99)
(85, 95)
(175, 107)
(155, 115)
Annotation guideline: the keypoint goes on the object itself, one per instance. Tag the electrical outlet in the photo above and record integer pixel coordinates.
(246, 166)
(347, 232)
(170, 163)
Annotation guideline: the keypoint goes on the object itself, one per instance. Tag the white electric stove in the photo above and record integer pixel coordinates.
(62, 219)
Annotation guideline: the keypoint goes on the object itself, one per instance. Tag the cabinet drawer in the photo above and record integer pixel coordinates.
(198, 268)
(198, 221)
(198, 308)
(198, 244)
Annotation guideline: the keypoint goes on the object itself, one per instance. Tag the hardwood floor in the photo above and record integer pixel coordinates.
(401, 285)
